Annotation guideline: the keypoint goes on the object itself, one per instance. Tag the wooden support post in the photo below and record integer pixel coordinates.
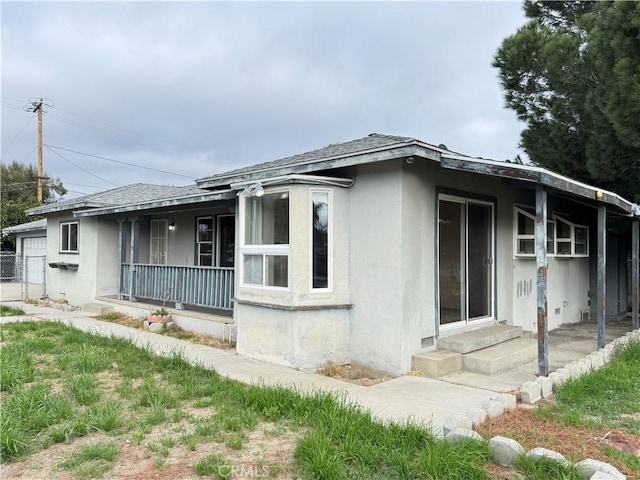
(133, 257)
(40, 168)
(122, 252)
(601, 292)
(541, 280)
(635, 227)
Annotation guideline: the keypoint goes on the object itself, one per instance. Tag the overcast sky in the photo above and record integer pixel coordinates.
(203, 87)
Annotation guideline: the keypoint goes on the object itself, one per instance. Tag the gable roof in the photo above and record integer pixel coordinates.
(135, 193)
(373, 147)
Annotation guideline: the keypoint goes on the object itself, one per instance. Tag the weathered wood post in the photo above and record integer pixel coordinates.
(541, 279)
(601, 293)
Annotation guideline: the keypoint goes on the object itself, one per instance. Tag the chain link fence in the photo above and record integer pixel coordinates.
(22, 277)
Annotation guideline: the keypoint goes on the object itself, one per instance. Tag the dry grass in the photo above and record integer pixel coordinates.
(575, 443)
(357, 374)
(179, 333)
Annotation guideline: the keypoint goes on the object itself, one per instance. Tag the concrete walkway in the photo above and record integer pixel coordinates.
(422, 400)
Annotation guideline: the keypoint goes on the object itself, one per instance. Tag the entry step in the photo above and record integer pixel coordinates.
(437, 363)
(501, 357)
(479, 339)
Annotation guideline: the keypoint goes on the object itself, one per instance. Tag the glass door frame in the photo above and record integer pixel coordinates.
(466, 200)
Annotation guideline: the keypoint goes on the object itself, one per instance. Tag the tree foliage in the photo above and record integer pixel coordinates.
(18, 192)
(572, 74)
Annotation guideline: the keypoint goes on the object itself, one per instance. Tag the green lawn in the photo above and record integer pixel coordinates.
(60, 385)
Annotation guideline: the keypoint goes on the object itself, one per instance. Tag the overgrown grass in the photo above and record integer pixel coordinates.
(8, 311)
(608, 396)
(544, 468)
(336, 439)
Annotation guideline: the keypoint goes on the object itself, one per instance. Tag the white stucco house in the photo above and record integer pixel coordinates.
(367, 251)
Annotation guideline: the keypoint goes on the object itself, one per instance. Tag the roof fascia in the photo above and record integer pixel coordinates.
(299, 179)
(52, 208)
(356, 158)
(539, 175)
(170, 202)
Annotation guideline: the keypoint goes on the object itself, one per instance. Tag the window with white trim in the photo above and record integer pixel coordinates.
(571, 240)
(69, 237)
(265, 246)
(564, 238)
(204, 241)
(525, 238)
(321, 246)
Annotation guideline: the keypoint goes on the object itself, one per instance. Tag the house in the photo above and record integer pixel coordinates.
(367, 251)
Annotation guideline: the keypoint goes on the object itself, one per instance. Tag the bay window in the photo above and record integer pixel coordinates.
(320, 240)
(265, 246)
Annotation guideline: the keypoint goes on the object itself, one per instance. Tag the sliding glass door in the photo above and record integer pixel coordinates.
(465, 260)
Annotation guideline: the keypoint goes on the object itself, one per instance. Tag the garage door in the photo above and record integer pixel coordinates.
(34, 250)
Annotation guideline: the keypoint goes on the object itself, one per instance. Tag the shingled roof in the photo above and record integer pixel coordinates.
(135, 193)
(371, 143)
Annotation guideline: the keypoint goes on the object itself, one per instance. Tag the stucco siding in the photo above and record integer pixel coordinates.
(375, 225)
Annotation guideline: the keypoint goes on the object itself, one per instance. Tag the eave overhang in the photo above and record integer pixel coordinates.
(157, 204)
(542, 176)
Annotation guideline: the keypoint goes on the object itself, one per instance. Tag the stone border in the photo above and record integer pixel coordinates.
(506, 451)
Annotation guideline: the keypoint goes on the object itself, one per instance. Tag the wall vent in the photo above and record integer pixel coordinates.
(427, 342)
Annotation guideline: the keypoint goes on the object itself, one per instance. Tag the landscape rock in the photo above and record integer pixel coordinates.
(546, 386)
(588, 467)
(455, 422)
(530, 392)
(493, 408)
(508, 401)
(545, 452)
(505, 451)
(477, 416)
(460, 434)
(602, 476)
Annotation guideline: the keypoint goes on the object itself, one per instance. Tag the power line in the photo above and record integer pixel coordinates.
(19, 133)
(119, 161)
(78, 166)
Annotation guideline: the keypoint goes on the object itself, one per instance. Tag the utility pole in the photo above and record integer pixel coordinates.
(38, 106)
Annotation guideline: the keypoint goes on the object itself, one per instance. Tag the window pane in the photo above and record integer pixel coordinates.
(525, 225)
(277, 271)
(205, 260)
(206, 248)
(551, 243)
(205, 229)
(267, 219)
(252, 267)
(564, 229)
(564, 248)
(320, 249)
(64, 237)
(526, 246)
(581, 241)
(73, 237)
(227, 241)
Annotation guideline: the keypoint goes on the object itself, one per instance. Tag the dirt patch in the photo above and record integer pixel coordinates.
(353, 373)
(178, 332)
(575, 443)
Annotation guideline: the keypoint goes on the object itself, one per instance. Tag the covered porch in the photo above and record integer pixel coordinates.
(178, 253)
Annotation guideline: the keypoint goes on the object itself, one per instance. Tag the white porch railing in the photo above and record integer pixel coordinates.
(201, 286)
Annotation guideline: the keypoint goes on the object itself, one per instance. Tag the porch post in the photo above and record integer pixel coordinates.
(601, 293)
(122, 253)
(541, 279)
(133, 259)
(635, 227)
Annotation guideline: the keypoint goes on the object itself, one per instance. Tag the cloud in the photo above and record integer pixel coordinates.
(202, 87)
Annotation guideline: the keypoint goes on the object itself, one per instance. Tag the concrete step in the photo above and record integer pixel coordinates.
(501, 357)
(96, 308)
(437, 363)
(479, 339)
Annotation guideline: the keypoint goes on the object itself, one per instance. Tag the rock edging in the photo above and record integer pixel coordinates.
(505, 451)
